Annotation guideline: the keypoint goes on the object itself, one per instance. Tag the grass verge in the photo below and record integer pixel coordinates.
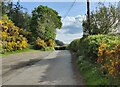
(30, 49)
(19, 51)
(92, 75)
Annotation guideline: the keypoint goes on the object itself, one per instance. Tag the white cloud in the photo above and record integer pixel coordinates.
(67, 38)
(71, 29)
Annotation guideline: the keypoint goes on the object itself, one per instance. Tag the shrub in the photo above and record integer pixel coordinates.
(40, 44)
(74, 45)
(50, 43)
(109, 59)
(103, 53)
(49, 49)
(61, 47)
(59, 43)
(44, 45)
(89, 45)
(11, 39)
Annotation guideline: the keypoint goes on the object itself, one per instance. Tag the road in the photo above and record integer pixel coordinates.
(39, 68)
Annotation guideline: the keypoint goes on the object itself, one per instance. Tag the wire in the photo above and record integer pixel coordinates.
(69, 10)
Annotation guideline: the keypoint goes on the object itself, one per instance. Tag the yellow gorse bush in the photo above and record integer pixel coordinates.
(110, 59)
(50, 43)
(11, 39)
(40, 44)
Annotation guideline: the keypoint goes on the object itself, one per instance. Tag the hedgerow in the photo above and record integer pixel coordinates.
(74, 45)
(102, 53)
(89, 46)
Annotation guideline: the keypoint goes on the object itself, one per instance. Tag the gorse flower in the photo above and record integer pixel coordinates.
(39, 43)
(110, 59)
(11, 38)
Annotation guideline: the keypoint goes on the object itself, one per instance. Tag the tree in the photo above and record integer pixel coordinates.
(59, 43)
(44, 23)
(20, 18)
(16, 14)
(4, 8)
(103, 21)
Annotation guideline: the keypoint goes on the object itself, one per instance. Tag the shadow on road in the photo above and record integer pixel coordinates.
(23, 64)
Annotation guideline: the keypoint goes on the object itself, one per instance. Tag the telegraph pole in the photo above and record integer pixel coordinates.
(10, 7)
(88, 16)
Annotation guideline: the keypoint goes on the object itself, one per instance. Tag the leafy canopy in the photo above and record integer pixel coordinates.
(103, 21)
(44, 23)
(15, 13)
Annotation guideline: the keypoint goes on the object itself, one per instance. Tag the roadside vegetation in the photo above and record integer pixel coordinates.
(20, 31)
(98, 54)
(20, 51)
(98, 59)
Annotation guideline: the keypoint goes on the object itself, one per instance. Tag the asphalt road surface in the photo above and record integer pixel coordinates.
(39, 68)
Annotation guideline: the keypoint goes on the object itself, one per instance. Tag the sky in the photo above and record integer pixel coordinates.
(72, 23)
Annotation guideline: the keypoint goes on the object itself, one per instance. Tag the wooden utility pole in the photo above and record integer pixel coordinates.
(10, 7)
(88, 16)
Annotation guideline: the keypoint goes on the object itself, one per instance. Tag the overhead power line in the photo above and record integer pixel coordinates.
(69, 9)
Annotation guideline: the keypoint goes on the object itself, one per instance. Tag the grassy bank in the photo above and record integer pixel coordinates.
(31, 48)
(19, 51)
(92, 75)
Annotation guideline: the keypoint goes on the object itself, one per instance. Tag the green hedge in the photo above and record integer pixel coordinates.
(87, 54)
(74, 45)
(64, 47)
(88, 47)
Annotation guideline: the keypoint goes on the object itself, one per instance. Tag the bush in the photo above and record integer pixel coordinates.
(109, 59)
(74, 45)
(49, 49)
(91, 73)
(59, 43)
(11, 39)
(89, 46)
(40, 44)
(61, 47)
(101, 53)
(50, 43)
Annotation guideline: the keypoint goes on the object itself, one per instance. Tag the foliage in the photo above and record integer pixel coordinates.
(20, 19)
(4, 8)
(74, 45)
(44, 23)
(15, 13)
(44, 45)
(40, 44)
(11, 39)
(49, 49)
(98, 58)
(50, 43)
(89, 46)
(91, 73)
(103, 21)
(109, 59)
(59, 43)
(19, 51)
(64, 47)
(25, 34)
